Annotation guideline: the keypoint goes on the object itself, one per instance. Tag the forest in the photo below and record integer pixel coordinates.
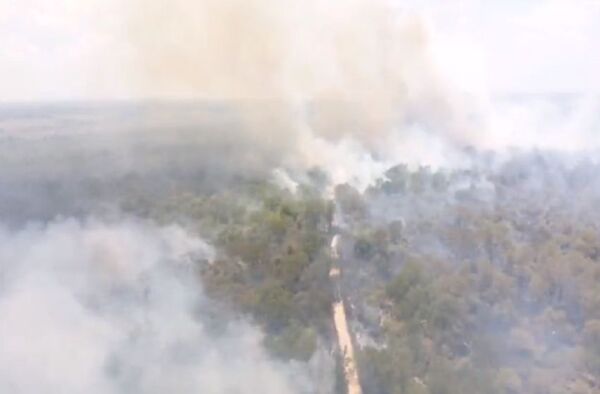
(299, 197)
(478, 279)
(456, 280)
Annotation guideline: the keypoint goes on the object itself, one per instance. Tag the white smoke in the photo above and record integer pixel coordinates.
(352, 86)
(349, 86)
(94, 307)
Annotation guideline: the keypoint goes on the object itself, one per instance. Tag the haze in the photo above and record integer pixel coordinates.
(300, 197)
(68, 50)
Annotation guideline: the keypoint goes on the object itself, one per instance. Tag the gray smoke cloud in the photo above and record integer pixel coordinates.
(352, 87)
(367, 82)
(364, 81)
(356, 78)
(100, 307)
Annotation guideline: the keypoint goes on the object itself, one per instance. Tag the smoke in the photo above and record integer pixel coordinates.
(567, 123)
(99, 307)
(309, 75)
(276, 87)
(350, 86)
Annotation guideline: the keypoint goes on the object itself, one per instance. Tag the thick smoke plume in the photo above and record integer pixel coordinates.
(306, 74)
(96, 307)
(309, 94)
(360, 80)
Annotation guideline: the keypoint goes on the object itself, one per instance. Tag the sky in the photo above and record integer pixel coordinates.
(537, 46)
(76, 49)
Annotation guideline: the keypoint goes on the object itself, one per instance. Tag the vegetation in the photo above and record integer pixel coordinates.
(481, 281)
(484, 281)
(273, 260)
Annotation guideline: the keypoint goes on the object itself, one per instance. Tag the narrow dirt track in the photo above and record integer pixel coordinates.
(341, 326)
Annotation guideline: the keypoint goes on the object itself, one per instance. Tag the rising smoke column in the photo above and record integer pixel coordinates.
(356, 78)
(96, 307)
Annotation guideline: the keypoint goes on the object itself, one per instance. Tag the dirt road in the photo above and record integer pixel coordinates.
(341, 324)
